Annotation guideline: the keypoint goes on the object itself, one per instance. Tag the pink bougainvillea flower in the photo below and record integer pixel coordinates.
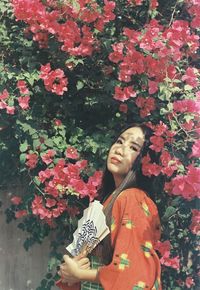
(4, 95)
(57, 122)
(196, 149)
(188, 186)
(44, 174)
(146, 105)
(47, 157)
(16, 200)
(21, 213)
(24, 102)
(117, 55)
(160, 129)
(10, 110)
(195, 225)
(157, 143)
(21, 85)
(49, 202)
(163, 247)
(189, 282)
(187, 105)
(153, 87)
(123, 94)
(150, 168)
(170, 262)
(71, 153)
(32, 160)
(54, 80)
(190, 77)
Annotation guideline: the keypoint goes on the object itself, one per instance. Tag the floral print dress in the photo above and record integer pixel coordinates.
(135, 229)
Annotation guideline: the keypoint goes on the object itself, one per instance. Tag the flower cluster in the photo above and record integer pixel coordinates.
(4, 105)
(59, 180)
(124, 94)
(44, 18)
(23, 99)
(146, 106)
(54, 80)
(195, 225)
(188, 185)
(164, 250)
(162, 45)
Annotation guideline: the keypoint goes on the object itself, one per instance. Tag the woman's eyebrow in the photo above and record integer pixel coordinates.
(132, 142)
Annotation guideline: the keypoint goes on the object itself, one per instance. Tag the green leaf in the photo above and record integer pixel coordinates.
(22, 158)
(79, 85)
(169, 212)
(23, 147)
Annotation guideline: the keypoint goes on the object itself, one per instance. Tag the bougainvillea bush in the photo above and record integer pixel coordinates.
(73, 72)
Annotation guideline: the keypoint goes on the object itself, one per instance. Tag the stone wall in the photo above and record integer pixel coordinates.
(19, 269)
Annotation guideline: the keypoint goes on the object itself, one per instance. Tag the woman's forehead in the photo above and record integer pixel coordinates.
(133, 132)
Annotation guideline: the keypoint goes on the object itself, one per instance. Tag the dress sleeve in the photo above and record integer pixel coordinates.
(134, 231)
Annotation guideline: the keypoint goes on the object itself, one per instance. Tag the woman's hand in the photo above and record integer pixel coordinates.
(70, 269)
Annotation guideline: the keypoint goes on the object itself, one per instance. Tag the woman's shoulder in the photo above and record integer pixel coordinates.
(136, 195)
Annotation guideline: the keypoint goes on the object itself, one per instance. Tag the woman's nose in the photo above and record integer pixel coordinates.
(119, 150)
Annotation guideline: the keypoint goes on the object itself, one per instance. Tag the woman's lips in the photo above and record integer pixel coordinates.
(115, 160)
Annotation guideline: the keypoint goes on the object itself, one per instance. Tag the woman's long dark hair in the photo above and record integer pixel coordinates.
(134, 178)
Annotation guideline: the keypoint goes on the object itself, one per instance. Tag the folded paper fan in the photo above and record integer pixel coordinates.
(91, 230)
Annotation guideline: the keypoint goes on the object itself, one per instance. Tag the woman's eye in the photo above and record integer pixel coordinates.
(134, 148)
(119, 141)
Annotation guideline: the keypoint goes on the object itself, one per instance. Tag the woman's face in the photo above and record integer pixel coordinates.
(123, 153)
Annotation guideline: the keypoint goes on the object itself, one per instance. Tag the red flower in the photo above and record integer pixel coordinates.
(187, 185)
(149, 168)
(32, 160)
(43, 175)
(54, 80)
(117, 55)
(196, 149)
(153, 87)
(146, 104)
(50, 202)
(170, 262)
(57, 122)
(157, 143)
(163, 247)
(190, 77)
(195, 225)
(123, 94)
(169, 164)
(187, 105)
(47, 157)
(16, 200)
(21, 85)
(4, 95)
(71, 153)
(24, 102)
(189, 282)
(10, 110)
(160, 129)
(21, 213)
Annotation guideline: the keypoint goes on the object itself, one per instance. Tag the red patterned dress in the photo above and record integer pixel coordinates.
(134, 230)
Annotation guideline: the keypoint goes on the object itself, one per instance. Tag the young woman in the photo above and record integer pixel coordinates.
(127, 255)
